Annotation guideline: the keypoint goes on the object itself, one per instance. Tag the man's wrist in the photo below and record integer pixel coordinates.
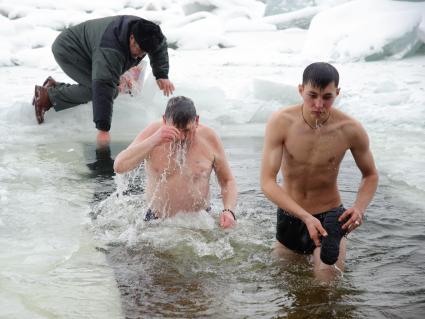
(230, 211)
(103, 138)
(305, 217)
(360, 210)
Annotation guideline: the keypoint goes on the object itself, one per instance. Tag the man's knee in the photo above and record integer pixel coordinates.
(57, 47)
(62, 52)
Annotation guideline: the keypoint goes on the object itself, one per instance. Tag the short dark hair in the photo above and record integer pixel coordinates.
(320, 74)
(181, 111)
(147, 34)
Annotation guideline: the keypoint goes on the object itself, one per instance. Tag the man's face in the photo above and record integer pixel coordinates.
(187, 133)
(316, 100)
(135, 50)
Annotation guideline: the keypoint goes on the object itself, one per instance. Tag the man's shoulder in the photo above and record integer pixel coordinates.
(350, 126)
(285, 116)
(149, 130)
(345, 121)
(154, 126)
(209, 136)
(207, 132)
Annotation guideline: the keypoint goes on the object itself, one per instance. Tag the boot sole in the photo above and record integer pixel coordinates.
(39, 115)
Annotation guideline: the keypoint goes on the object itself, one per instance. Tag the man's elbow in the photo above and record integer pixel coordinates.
(265, 186)
(372, 175)
(375, 177)
(229, 186)
(119, 167)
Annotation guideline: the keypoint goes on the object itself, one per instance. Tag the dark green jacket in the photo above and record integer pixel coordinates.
(104, 43)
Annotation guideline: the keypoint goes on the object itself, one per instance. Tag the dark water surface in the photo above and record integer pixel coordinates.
(212, 273)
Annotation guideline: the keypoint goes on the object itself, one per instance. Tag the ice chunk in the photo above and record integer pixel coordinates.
(190, 7)
(421, 29)
(200, 30)
(365, 30)
(241, 24)
(269, 90)
(14, 11)
(262, 114)
(152, 5)
(300, 18)
(289, 14)
(53, 19)
(274, 7)
(249, 8)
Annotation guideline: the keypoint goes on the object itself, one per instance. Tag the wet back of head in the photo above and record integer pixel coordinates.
(180, 111)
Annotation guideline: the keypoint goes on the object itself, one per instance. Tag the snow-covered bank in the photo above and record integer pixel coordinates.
(340, 30)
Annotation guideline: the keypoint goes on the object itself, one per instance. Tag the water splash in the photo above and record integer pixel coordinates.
(120, 217)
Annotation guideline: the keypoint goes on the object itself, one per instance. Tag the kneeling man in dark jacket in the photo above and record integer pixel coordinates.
(95, 54)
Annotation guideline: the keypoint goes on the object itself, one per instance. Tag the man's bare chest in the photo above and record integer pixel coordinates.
(318, 149)
(193, 164)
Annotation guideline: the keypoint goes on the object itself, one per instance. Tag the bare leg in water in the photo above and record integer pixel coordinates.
(322, 271)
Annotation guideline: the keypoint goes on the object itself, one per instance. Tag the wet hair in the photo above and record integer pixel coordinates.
(147, 34)
(180, 111)
(320, 74)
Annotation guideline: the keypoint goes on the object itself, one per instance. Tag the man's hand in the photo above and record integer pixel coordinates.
(165, 134)
(226, 220)
(165, 86)
(353, 218)
(315, 229)
(129, 80)
(103, 138)
(126, 84)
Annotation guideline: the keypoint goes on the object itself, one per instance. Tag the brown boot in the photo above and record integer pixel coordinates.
(41, 102)
(49, 82)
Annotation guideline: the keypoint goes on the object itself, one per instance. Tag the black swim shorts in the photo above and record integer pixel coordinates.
(293, 233)
(150, 215)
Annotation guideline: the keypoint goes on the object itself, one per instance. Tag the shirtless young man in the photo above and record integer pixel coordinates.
(180, 155)
(307, 142)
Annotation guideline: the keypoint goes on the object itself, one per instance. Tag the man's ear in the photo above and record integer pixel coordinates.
(337, 91)
(164, 121)
(301, 89)
(197, 120)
